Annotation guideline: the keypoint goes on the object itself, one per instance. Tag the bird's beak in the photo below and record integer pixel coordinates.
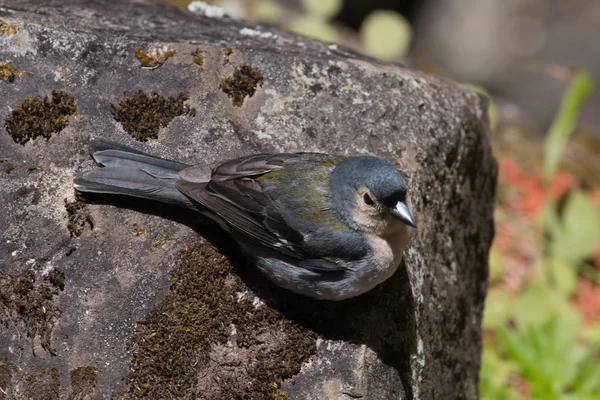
(400, 212)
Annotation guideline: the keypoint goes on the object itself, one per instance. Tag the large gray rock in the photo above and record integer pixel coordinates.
(141, 306)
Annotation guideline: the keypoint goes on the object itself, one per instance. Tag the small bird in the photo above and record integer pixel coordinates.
(324, 226)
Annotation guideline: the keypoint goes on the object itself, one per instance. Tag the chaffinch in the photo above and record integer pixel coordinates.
(324, 226)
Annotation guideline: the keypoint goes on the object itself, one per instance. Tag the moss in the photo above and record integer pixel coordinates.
(8, 72)
(241, 84)
(153, 59)
(56, 277)
(227, 51)
(137, 231)
(142, 115)
(83, 381)
(43, 386)
(78, 217)
(7, 29)
(40, 117)
(32, 308)
(198, 59)
(182, 347)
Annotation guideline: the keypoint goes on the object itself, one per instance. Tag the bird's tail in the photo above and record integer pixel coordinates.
(125, 171)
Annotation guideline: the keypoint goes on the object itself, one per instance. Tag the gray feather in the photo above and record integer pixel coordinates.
(131, 182)
(129, 172)
(109, 154)
(197, 174)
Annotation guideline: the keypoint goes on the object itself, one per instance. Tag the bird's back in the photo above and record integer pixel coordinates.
(302, 192)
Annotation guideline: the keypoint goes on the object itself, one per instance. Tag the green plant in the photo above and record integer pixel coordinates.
(580, 88)
(536, 344)
(573, 226)
(553, 361)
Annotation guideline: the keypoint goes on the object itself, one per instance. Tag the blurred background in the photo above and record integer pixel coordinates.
(537, 60)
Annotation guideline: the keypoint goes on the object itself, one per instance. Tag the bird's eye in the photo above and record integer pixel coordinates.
(368, 199)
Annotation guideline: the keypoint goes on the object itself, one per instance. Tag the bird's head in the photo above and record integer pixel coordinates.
(370, 194)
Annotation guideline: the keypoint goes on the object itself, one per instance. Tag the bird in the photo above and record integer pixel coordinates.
(325, 226)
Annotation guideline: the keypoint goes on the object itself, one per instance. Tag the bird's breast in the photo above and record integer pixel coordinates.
(387, 253)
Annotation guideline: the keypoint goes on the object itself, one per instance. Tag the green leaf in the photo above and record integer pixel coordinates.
(552, 272)
(552, 360)
(575, 234)
(565, 121)
(537, 304)
(591, 334)
(496, 265)
(494, 376)
(588, 380)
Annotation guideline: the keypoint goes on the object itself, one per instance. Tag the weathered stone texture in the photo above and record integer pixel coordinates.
(417, 336)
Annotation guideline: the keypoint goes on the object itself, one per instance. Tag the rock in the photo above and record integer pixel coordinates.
(140, 305)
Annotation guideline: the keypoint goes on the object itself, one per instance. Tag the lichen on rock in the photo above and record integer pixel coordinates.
(153, 59)
(7, 29)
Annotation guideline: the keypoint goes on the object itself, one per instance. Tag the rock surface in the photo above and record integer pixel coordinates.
(140, 305)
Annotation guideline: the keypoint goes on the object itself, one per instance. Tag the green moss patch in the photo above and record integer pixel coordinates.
(241, 84)
(40, 117)
(9, 72)
(29, 306)
(78, 217)
(207, 341)
(142, 115)
(83, 381)
(198, 59)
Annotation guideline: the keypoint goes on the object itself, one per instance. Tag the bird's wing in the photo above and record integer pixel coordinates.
(234, 194)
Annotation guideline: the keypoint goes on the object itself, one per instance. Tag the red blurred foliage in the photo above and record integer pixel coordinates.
(595, 196)
(522, 196)
(503, 238)
(521, 386)
(587, 300)
(531, 196)
(519, 250)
